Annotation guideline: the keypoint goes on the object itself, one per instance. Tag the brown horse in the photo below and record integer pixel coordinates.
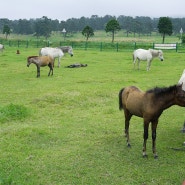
(148, 105)
(41, 61)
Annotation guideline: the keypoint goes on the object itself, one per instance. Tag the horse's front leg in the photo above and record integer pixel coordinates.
(138, 64)
(58, 61)
(145, 136)
(38, 71)
(154, 127)
(148, 65)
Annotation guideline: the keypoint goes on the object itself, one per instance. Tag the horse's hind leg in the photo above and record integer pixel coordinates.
(127, 123)
(38, 71)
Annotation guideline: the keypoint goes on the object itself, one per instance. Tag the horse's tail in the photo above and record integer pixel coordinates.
(120, 99)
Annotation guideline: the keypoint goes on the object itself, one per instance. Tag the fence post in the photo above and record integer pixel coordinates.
(153, 45)
(176, 47)
(101, 46)
(86, 45)
(134, 45)
(117, 46)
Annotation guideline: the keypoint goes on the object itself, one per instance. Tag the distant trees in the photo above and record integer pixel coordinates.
(88, 32)
(165, 27)
(112, 26)
(43, 27)
(130, 25)
(6, 30)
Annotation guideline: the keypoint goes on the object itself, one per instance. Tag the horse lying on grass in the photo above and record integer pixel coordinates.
(148, 105)
(77, 65)
(146, 55)
(41, 61)
(53, 52)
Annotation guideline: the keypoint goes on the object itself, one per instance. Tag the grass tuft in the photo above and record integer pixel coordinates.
(13, 112)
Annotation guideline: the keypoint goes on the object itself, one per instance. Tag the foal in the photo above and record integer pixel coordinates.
(41, 61)
(148, 105)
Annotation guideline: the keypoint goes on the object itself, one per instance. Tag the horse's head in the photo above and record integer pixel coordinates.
(70, 51)
(30, 60)
(160, 55)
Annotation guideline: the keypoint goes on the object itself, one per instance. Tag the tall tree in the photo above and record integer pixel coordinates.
(43, 27)
(88, 32)
(112, 26)
(165, 27)
(6, 30)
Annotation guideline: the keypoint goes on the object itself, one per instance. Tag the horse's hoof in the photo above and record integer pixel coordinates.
(128, 145)
(155, 156)
(145, 156)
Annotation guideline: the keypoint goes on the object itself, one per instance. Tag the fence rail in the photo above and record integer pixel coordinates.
(101, 46)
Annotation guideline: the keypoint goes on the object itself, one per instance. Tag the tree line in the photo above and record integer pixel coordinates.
(44, 26)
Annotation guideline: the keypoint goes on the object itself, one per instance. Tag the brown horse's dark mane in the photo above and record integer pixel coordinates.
(160, 91)
(32, 57)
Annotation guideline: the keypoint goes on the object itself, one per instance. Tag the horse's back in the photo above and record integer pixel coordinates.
(141, 54)
(53, 52)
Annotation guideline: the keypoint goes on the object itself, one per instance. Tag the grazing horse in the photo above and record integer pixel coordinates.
(1, 47)
(53, 52)
(148, 105)
(41, 61)
(146, 55)
(67, 49)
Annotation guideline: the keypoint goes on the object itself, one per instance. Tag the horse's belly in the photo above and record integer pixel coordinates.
(135, 110)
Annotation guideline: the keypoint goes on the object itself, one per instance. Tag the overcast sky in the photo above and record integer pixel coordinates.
(66, 9)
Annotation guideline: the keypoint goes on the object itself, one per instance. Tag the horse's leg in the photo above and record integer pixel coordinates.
(148, 65)
(38, 71)
(134, 61)
(154, 127)
(138, 62)
(127, 123)
(50, 65)
(145, 136)
(58, 61)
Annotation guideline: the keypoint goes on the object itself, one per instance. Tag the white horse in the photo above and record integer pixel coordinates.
(182, 80)
(67, 49)
(52, 52)
(146, 55)
(1, 47)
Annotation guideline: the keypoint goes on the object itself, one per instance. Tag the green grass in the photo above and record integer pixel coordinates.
(67, 129)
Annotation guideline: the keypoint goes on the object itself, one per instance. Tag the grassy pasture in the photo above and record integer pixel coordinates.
(67, 129)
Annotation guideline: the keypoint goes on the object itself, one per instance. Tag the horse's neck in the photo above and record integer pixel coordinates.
(166, 101)
(34, 61)
(154, 53)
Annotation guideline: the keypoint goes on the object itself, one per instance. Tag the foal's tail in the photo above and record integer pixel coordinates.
(120, 99)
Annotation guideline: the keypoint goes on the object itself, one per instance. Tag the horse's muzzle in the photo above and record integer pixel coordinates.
(162, 59)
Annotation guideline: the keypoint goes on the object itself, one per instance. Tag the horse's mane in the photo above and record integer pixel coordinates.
(31, 57)
(160, 91)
